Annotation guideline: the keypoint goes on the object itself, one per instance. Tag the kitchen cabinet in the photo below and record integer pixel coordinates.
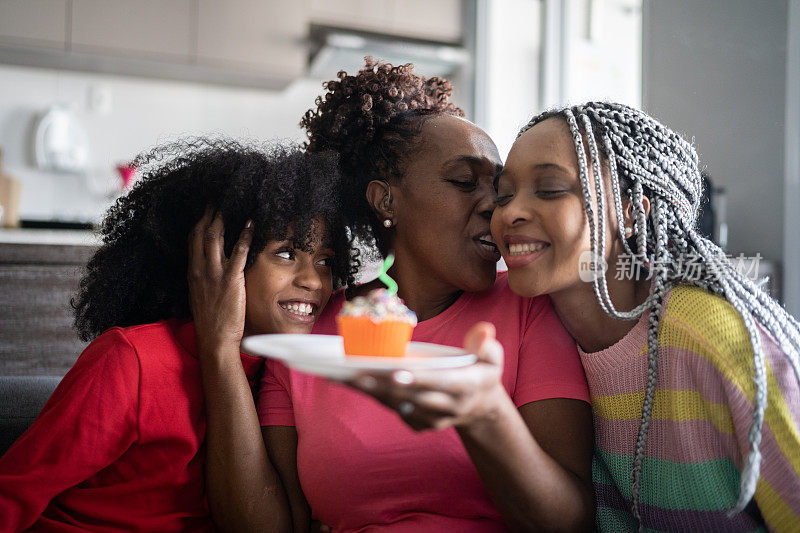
(34, 24)
(144, 28)
(246, 43)
(368, 15)
(439, 20)
(266, 35)
(249, 43)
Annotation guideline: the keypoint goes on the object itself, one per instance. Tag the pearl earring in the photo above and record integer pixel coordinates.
(387, 223)
(628, 231)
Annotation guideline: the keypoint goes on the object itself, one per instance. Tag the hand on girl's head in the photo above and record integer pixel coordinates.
(216, 283)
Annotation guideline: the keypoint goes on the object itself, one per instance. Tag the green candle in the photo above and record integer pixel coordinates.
(384, 277)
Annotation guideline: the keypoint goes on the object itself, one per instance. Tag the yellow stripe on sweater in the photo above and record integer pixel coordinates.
(673, 405)
(710, 327)
(776, 512)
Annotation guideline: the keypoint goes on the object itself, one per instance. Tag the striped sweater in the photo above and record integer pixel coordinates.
(701, 416)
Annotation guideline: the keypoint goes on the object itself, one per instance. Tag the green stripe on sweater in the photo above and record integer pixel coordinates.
(706, 486)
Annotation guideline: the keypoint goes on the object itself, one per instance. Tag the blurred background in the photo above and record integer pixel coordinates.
(85, 85)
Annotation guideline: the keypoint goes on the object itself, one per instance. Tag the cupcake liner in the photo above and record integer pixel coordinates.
(362, 336)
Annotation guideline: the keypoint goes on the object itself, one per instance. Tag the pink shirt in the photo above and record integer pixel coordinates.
(362, 468)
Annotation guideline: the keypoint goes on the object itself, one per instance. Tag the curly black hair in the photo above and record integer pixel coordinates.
(138, 275)
(372, 119)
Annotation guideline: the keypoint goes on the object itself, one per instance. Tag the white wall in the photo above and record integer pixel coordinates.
(603, 53)
(508, 70)
(717, 71)
(143, 113)
(539, 54)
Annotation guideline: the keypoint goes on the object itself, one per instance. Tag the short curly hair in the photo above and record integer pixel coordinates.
(138, 275)
(371, 119)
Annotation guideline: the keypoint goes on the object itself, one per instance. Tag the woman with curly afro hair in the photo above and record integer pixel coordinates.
(503, 443)
(120, 445)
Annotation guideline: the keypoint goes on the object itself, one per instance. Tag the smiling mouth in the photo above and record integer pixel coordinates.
(518, 250)
(298, 309)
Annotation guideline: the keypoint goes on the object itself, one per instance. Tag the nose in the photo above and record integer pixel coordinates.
(511, 213)
(486, 204)
(307, 276)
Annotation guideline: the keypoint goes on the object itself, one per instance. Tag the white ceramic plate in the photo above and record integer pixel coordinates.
(323, 355)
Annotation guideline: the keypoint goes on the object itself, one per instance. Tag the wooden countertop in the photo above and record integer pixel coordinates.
(47, 246)
(49, 236)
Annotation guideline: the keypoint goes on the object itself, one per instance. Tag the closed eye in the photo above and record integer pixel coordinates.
(503, 199)
(550, 194)
(464, 185)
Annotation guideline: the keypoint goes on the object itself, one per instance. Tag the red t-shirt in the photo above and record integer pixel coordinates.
(362, 468)
(120, 444)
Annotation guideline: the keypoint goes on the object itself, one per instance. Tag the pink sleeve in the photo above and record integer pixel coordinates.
(549, 365)
(88, 423)
(274, 401)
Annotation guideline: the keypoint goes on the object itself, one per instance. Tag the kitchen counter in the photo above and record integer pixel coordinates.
(49, 236)
(40, 271)
(46, 246)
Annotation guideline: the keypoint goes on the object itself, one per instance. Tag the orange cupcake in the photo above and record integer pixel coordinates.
(377, 324)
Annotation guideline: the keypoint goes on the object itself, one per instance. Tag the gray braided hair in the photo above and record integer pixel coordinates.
(646, 158)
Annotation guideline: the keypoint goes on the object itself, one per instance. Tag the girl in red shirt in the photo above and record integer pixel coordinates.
(120, 445)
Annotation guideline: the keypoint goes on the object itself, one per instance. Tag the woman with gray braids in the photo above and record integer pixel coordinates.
(692, 369)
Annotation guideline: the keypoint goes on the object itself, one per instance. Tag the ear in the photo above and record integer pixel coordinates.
(379, 196)
(627, 211)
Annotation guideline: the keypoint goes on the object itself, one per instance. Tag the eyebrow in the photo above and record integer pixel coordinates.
(463, 159)
(471, 159)
(553, 166)
(540, 166)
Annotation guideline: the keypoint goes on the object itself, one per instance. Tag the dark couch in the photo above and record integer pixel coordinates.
(21, 399)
